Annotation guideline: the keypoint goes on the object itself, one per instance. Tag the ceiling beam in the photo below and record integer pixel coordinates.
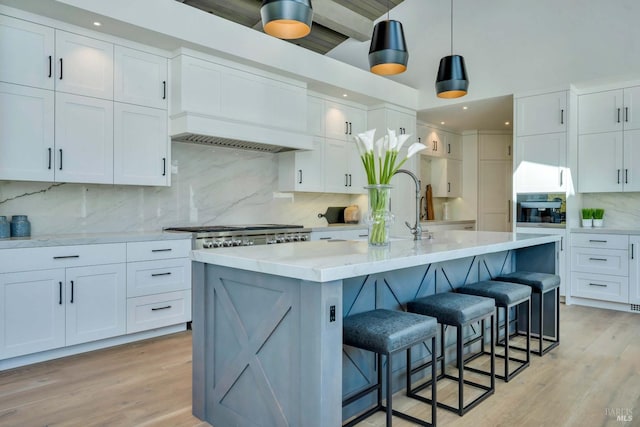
(342, 20)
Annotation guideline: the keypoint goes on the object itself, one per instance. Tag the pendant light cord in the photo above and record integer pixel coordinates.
(388, 10)
(451, 27)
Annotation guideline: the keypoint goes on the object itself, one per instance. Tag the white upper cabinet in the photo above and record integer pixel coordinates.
(446, 178)
(601, 112)
(454, 146)
(26, 133)
(541, 162)
(84, 139)
(140, 78)
(600, 167)
(84, 66)
(631, 94)
(315, 116)
(539, 114)
(26, 53)
(631, 160)
(302, 170)
(494, 147)
(402, 123)
(336, 176)
(140, 146)
(344, 121)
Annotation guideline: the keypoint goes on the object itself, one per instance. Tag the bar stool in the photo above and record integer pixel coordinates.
(389, 332)
(506, 295)
(457, 310)
(541, 284)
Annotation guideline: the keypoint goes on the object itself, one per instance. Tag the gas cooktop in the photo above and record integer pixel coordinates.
(217, 228)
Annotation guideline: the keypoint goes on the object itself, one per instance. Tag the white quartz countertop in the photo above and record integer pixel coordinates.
(605, 230)
(448, 221)
(322, 261)
(89, 238)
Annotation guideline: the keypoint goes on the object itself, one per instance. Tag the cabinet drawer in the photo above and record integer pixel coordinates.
(27, 259)
(601, 287)
(154, 277)
(602, 261)
(161, 249)
(605, 241)
(156, 311)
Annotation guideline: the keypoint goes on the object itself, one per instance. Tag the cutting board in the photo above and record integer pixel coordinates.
(333, 215)
(430, 214)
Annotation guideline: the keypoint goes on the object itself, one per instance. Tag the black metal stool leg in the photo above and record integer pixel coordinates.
(389, 391)
(460, 361)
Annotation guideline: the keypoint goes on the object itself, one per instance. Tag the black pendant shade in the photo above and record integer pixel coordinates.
(452, 81)
(287, 19)
(388, 53)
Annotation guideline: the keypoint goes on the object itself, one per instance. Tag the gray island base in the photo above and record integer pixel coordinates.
(267, 320)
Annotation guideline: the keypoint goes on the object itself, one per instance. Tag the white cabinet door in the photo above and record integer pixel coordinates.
(302, 170)
(634, 270)
(402, 123)
(494, 147)
(95, 302)
(600, 162)
(538, 114)
(84, 66)
(446, 178)
(84, 139)
(140, 78)
(26, 133)
(631, 95)
(494, 195)
(343, 121)
(32, 311)
(631, 160)
(454, 146)
(336, 161)
(435, 142)
(540, 163)
(357, 174)
(26, 53)
(600, 112)
(140, 145)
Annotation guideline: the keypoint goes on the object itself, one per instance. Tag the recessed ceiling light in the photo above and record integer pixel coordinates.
(441, 123)
(345, 95)
(465, 108)
(97, 23)
(507, 123)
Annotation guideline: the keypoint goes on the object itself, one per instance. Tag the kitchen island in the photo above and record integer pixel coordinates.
(267, 320)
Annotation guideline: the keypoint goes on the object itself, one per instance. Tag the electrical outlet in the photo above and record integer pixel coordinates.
(332, 313)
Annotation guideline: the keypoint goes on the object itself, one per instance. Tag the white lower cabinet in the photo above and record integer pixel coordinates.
(62, 296)
(337, 234)
(634, 270)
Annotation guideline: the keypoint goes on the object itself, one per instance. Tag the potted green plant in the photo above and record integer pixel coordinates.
(587, 217)
(598, 217)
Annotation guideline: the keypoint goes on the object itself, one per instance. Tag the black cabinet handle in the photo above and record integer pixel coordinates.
(66, 256)
(161, 250)
(49, 158)
(618, 176)
(50, 66)
(346, 128)
(164, 90)
(597, 241)
(632, 245)
(618, 115)
(60, 68)
(71, 292)
(60, 293)
(349, 180)
(164, 166)
(598, 284)
(448, 187)
(509, 150)
(168, 273)
(626, 114)
(350, 128)
(60, 168)
(626, 176)
(448, 148)
(562, 116)
(299, 176)
(597, 259)
(161, 308)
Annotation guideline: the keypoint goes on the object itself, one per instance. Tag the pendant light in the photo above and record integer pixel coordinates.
(452, 81)
(388, 53)
(287, 19)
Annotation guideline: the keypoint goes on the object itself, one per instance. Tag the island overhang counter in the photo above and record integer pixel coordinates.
(267, 320)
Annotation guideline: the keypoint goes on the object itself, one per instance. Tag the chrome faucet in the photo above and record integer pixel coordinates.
(416, 230)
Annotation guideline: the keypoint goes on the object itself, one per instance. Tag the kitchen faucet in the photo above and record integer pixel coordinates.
(416, 230)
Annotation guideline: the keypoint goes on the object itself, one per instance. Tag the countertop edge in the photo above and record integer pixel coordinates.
(89, 238)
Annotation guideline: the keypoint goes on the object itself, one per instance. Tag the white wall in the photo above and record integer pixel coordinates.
(212, 186)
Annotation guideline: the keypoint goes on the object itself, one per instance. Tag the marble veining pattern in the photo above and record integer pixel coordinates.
(212, 186)
(622, 210)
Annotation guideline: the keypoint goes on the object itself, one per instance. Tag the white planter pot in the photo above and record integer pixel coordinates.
(598, 222)
(587, 222)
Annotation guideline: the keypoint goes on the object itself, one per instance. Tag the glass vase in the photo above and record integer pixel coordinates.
(379, 218)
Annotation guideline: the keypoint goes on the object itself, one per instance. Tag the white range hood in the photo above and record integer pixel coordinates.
(219, 102)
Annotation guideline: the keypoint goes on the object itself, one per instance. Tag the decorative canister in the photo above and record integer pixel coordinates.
(20, 226)
(5, 228)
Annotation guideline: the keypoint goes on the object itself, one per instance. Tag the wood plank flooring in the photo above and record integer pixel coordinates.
(594, 373)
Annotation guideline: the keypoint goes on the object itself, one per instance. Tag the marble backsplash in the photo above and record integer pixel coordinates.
(621, 210)
(212, 185)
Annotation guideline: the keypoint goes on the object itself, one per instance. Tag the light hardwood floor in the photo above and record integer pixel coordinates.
(595, 371)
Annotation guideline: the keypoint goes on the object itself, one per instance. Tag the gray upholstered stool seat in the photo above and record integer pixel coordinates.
(543, 323)
(458, 310)
(452, 309)
(386, 332)
(506, 295)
